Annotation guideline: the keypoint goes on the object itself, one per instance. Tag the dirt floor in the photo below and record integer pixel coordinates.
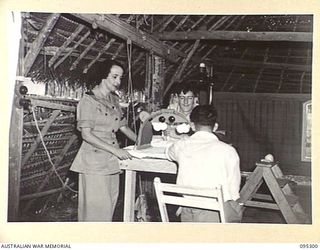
(63, 208)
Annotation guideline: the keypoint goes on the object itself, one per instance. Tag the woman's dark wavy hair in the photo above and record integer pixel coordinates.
(101, 70)
(205, 115)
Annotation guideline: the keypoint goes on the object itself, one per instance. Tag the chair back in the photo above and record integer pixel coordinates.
(211, 199)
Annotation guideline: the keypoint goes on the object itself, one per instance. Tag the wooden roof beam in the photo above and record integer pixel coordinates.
(73, 49)
(245, 63)
(65, 44)
(76, 62)
(121, 29)
(105, 48)
(39, 42)
(236, 36)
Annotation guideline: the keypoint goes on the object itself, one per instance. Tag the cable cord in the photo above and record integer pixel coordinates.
(64, 184)
(130, 86)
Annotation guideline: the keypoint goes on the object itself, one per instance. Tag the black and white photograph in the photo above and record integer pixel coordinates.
(174, 119)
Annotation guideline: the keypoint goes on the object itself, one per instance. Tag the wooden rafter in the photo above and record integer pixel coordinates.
(76, 62)
(39, 41)
(282, 71)
(105, 48)
(261, 70)
(202, 59)
(71, 50)
(182, 21)
(236, 36)
(301, 81)
(65, 44)
(165, 25)
(243, 63)
(232, 70)
(219, 23)
(197, 22)
(179, 72)
(138, 58)
(114, 25)
(119, 49)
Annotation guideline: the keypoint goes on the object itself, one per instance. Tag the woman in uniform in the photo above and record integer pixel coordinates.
(99, 117)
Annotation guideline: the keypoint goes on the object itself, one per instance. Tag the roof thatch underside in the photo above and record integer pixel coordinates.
(249, 53)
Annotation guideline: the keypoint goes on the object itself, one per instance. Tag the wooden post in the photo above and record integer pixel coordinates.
(157, 82)
(15, 152)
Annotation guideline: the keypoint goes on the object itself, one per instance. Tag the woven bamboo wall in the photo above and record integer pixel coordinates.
(56, 120)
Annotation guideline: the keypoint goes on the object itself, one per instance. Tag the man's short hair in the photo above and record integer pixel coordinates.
(205, 115)
(184, 88)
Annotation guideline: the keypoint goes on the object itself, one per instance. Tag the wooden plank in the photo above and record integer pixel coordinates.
(51, 191)
(76, 62)
(105, 48)
(43, 173)
(43, 132)
(114, 25)
(73, 48)
(236, 36)
(252, 185)
(39, 41)
(260, 204)
(51, 105)
(65, 44)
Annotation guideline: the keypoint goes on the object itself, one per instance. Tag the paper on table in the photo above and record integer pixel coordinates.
(151, 152)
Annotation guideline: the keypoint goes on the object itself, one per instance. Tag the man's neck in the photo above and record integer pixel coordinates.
(203, 128)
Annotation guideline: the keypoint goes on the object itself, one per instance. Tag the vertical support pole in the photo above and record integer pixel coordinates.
(15, 152)
(129, 195)
(15, 144)
(148, 84)
(157, 82)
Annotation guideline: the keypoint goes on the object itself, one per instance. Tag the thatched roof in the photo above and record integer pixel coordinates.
(248, 53)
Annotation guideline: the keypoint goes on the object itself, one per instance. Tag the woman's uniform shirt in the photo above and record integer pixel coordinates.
(206, 162)
(104, 117)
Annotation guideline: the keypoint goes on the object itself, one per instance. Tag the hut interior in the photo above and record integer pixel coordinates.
(259, 67)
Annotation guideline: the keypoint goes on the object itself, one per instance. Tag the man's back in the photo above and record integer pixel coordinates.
(204, 161)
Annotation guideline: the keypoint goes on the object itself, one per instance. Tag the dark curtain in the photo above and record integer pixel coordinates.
(260, 124)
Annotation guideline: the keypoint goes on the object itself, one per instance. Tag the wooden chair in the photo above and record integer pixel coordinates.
(211, 199)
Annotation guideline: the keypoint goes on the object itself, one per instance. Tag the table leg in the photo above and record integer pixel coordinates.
(129, 195)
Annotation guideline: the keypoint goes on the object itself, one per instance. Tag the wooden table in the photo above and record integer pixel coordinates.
(142, 165)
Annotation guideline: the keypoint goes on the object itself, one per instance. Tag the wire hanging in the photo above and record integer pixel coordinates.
(130, 86)
(64, 184)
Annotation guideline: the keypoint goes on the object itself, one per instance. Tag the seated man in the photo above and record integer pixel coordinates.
(205, 161)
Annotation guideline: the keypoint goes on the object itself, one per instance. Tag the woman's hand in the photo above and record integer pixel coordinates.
(121, 154)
